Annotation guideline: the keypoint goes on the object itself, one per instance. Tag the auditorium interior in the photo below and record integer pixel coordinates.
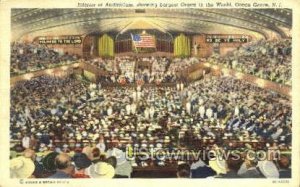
(150, 93)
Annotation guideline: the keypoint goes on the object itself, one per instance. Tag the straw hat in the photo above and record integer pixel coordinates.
(32, 129)
(42, 127)
(101, 170)
(77, 145)
(78, 137)
(21, 167)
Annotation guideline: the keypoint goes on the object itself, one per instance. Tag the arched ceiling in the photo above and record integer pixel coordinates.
(259, 23)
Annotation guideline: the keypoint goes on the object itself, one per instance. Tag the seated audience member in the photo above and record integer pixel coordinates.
(113, 161)
(21, 167)
(183, 171)
(64, 167)
(218, 165)
(97, 157)
(88, 151)
(48, 162)
(203, 170)
(233, 164)
(67, 110)
(268, 169)
(123, 167)
(284, 167)
(38, 169)
(251, 170)
(81, 164)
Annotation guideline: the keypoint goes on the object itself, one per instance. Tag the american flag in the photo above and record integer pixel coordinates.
(146, 41)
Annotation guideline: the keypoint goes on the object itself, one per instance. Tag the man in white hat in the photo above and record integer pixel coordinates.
(21, 167)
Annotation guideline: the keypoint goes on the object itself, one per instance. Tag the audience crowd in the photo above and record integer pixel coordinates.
(61, 127)
(269, 60)
(83, 126)
(32, 57)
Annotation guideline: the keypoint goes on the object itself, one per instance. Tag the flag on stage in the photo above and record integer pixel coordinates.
(146, 41)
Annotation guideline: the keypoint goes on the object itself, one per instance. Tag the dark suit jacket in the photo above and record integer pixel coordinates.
(252, 173)
(285, 173)
(203, 172)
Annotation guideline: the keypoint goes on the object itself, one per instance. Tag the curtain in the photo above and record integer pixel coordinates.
(106, 46)
(182, 46)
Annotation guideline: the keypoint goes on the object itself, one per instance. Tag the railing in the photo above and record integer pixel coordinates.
(191, 73)
(50, 66)
(196, 144)
(92, 68)
(58, 70)
(263, 83)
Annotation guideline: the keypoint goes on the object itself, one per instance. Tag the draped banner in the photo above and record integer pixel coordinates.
(182, 46)
(106, 46)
